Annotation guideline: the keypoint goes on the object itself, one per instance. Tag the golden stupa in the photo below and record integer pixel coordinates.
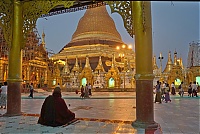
(92, 47)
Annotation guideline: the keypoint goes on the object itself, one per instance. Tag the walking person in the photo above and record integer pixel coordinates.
(90, 89)
(86, 95)
(31, 90)
(82, 92)
(158, 93)
(194, 89)
(3, 97)
(181, 92)
(167, 96)
(173, 89)
(163, 90)
(190, 89)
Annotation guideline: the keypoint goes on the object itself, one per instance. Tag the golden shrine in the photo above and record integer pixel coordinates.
(37, 68)
(176, 72)
(92, 52)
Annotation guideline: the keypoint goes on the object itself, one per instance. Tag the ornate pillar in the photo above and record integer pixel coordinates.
(15, 63)
(141, 12)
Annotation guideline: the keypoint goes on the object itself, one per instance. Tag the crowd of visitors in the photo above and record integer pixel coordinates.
(162, 91)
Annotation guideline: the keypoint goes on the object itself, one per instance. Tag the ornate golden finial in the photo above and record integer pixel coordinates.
(169, 57)
(100, 65)
(87, 63)
(43, 40)
(43, 37)
(76, 66)
(155, 66)
(169, 64)
(175, 58)
(66, 68)
(113, 61)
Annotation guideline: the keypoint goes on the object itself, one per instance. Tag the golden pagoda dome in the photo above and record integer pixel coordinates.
(95, 35)
(96, 27)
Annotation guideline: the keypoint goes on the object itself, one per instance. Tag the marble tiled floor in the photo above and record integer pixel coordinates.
(106, 113)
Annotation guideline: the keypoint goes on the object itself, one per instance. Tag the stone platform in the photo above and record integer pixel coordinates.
(106, 113)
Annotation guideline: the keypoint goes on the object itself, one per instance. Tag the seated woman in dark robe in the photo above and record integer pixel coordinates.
(54, 110)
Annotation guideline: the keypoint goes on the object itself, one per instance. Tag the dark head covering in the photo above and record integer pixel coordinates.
(57, 92)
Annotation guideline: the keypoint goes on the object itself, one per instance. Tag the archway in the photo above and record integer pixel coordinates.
(177, 82)
(83, 81)
(198, 79)
(111, 83)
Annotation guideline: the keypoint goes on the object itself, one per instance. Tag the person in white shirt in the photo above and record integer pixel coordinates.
(3, 97)
(194, 89)
(163, 90)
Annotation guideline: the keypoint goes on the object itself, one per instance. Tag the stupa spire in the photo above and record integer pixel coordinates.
(87, 62)
(155, 66)
(43, 40)
(100, 65)
(169, 64)
(43, 37)
(175, 58)
(76, 66)
(66, 67)
(113, 61)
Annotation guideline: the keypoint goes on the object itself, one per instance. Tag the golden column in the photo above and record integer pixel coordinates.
(141, 12)
(15, 63)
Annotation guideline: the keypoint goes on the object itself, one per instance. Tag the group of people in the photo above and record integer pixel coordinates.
(163, 91)
(193, 89)
(86, 91)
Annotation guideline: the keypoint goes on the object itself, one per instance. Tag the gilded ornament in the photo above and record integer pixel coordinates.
(6, 13)
(124, 9)
(30, 15)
